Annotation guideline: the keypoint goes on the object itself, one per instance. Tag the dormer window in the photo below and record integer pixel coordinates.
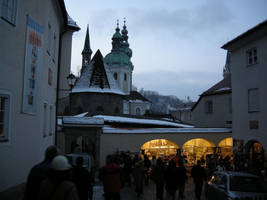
(252, 56)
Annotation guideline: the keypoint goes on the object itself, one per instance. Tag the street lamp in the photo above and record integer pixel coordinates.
(71, 81)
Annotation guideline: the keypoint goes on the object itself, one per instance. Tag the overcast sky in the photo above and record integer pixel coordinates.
(175, 43)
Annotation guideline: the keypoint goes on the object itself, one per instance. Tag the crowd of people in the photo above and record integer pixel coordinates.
(171, 177)
(56, 179)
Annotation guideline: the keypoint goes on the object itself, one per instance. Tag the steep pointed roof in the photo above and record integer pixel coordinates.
(87, 47)
(97, 78)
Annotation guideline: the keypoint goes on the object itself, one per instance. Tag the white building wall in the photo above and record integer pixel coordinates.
(142, 105)
(125, 86)
(246, 77)
(26, 144)
(221, 111)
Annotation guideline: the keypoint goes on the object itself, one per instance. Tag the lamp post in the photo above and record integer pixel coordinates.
(71, 81)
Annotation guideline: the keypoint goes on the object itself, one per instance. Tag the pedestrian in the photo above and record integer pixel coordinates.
(110, 175)
(83, 180)
(182, 178)
(171, 180)
(38, 173)
(147, 164)
(158, 176)
(199, 175)
(58, 185)
(127, 170)
(139, 176)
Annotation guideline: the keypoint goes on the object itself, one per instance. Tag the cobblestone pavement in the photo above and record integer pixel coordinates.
(128, 193)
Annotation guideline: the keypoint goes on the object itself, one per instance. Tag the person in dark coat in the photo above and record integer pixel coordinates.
(38, 173)
(158, 177)
(110, 175)
(58, 185)
(199, 175)
(182, 178)
(83, 180)
(139, 177)
(171, 180)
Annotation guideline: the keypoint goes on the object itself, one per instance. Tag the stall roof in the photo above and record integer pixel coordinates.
(110, 130)
(128, 120)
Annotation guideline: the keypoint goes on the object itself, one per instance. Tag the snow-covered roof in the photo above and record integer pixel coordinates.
(82, 121)
(83, 84)
(110, 130)
(97, 90)
(141, 121)
(81, 115)
(72, 23)
(223, 89)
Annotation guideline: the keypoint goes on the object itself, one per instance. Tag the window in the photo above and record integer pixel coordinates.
(138, 111)
(253, 100)
(54, 47)
(208, 107)
(44, 119)
(50, 76)
(49, 37)
(115, 76)
(125, 77)
(252, 57)
(51, 120)
(9, 11)
(4, 116)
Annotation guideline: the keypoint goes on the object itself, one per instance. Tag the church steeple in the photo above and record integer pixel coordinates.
(227, 66)
(116, 39)
(87, 52)
(125, 44)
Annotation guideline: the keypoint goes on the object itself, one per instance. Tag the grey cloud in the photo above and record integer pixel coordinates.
(210, 16)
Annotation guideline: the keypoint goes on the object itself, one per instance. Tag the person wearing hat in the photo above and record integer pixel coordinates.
(38, 173)
(58, 185)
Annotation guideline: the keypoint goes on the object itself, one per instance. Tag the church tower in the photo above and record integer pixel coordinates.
(87, 52)
(119, 59)
(227, 66)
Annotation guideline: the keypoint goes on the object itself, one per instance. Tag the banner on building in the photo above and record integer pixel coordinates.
(33, 65)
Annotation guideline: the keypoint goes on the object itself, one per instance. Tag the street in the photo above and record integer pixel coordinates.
(128, 193)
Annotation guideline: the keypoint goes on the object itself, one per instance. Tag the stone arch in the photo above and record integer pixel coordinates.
(226, 147)
(159, 148)
(197, 149)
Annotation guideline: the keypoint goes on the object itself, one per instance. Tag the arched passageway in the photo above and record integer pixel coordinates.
(159, 148)
(226, 147)
(197, 149)
(255, 153)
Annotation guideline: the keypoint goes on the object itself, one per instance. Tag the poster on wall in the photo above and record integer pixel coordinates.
(33, 64)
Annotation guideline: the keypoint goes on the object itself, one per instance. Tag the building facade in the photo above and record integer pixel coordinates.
(105, 83)
(31, 48)
(214, 106)
(249, 97)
